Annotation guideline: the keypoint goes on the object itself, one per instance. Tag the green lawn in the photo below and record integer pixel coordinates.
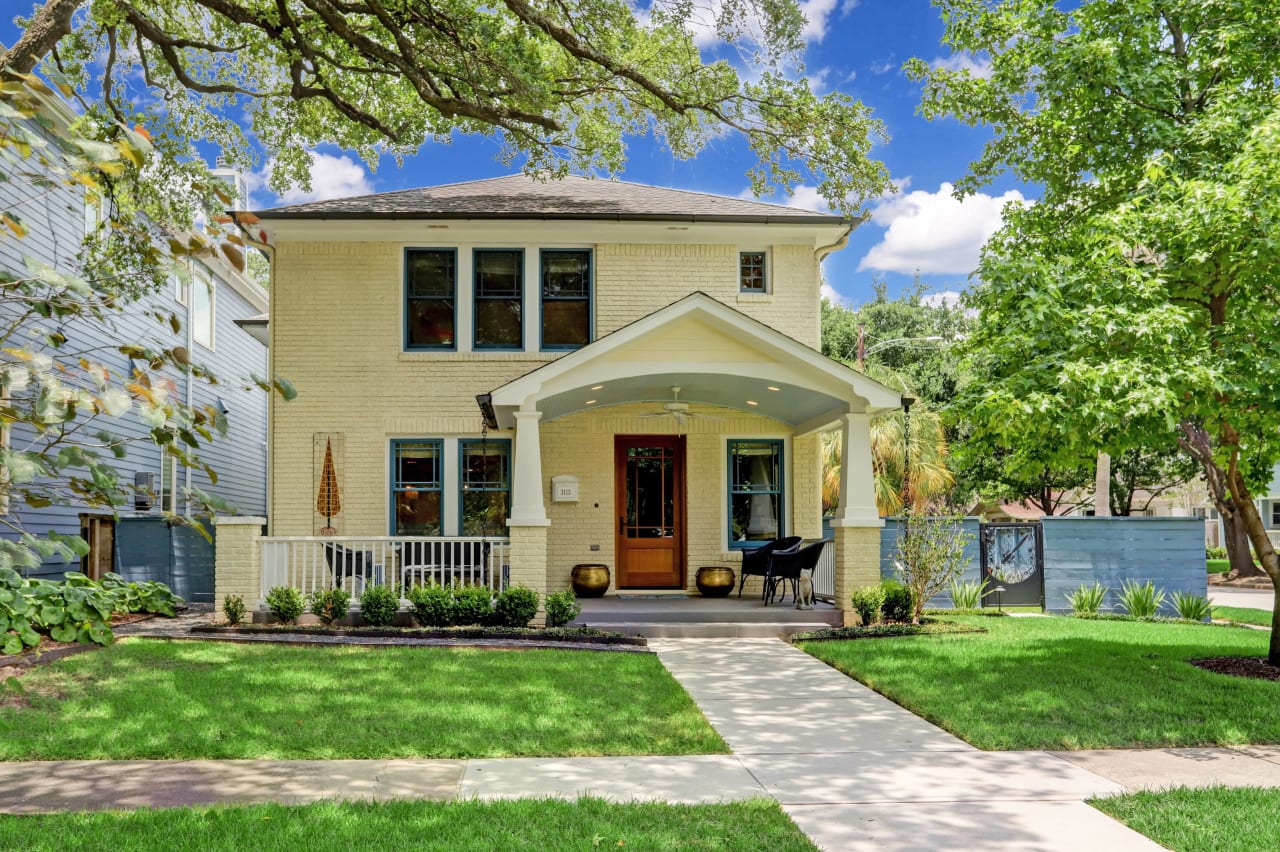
(1221, 819)
(545, 825)
(1243, 615)
(174, 700)
(1066, 683)
(1217, 566)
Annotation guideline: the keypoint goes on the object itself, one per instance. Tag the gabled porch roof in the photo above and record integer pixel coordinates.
(715, 354)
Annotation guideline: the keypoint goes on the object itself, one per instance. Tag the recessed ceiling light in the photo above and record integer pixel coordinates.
(752, 402)
(591, 402)
(771, 387)
(597, 387)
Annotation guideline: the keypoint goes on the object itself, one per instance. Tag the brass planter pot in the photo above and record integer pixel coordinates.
(715, 581)
(590, 580)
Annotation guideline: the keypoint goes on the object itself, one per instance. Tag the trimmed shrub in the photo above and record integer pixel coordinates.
(474, 605)
(285, 603)
(1192, 607)
(867, 602)
(515, 607)
(562, 607)
(1215, 553)
(432, 605)
(330, 605)
(967, 594)
(1085, 600)
(898, 603)
(233, 609)
(379, 605)
(1140, 601)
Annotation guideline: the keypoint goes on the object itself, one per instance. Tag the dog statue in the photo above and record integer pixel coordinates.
(804, 594)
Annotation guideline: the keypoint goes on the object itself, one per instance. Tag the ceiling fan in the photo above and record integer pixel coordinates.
(679, 411)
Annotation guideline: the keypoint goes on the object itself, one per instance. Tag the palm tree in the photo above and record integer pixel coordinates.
(930, 476)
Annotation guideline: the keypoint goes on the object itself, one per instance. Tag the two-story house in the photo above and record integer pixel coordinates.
(208, 300)
(574, 371)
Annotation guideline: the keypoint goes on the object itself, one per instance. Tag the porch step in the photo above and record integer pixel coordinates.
(706, 630)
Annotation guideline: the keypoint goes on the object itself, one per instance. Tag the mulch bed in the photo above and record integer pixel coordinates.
(928, 627)
(572, 635)
(1254, 667)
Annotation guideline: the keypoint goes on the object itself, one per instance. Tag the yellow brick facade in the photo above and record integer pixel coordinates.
(336, 334)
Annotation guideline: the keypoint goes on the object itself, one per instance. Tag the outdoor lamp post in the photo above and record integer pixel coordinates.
(907, 402)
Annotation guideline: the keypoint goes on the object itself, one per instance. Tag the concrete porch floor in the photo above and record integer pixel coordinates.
(694, 616)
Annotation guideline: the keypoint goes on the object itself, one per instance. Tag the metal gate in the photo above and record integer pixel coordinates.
(1013, 564)
(173, 554)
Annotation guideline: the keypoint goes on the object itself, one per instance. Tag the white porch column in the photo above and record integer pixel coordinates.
(857, 524)
(528, 523)
(857, 479)
(527, 508)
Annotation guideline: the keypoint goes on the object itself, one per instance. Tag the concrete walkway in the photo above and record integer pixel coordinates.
(853, 769)
(1247, 598)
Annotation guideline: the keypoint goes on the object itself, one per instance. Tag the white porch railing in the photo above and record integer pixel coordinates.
(311, 563)
(824, 575)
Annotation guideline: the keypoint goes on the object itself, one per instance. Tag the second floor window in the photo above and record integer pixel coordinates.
(751, 272)
(431, 279)
(566, 298)
(499, 280)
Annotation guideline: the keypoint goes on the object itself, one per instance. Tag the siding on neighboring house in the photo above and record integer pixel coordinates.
(56, 224)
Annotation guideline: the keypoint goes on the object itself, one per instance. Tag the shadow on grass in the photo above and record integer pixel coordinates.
(155, 700)
(1071, 684)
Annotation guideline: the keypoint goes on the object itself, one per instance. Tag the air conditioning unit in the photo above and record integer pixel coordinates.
(145, 491)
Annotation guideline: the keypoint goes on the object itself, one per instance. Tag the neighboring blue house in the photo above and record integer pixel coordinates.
(210, 301)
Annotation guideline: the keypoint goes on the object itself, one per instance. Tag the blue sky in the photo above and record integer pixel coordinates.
(854, 46)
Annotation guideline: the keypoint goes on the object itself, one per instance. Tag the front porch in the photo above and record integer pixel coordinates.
(694, 616)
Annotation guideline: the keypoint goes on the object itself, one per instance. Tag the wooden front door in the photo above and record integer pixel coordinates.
(649, 481)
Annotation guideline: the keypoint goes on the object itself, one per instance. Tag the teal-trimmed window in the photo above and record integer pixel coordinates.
(751, 272)
(485, 474)
(498, 294)
(566, 298)
(417, 473)
(756, 492)
(430, 298)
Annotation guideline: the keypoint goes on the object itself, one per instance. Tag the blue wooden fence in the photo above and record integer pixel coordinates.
(1169, 552)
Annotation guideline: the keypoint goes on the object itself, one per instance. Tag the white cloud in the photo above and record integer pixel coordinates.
(848, 6)
(803, 197)
(829, 293)
(933, 232)
(964, 62)
(702, 19)
(883, 67)
(331, 177)
(949, 298)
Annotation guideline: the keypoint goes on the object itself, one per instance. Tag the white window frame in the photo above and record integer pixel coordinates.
(202, 277)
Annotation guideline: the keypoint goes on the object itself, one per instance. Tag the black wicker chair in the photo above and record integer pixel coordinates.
(358, 565)
(756, 562)
(789, 565)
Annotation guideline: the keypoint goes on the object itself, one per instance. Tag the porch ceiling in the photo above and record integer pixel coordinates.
(788, 403)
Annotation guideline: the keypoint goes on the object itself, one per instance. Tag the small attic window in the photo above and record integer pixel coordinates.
(751, 272)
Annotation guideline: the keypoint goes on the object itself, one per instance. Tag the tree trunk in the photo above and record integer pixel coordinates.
(48, 26)
(1252, 522)
(1102, 487)
(1239, 553)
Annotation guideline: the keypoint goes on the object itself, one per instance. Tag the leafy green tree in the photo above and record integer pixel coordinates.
(1137, 299)
(931, 370)
(562, 85)
(1139, 477)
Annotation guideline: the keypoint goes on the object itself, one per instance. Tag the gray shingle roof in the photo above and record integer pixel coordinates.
(522, 197)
